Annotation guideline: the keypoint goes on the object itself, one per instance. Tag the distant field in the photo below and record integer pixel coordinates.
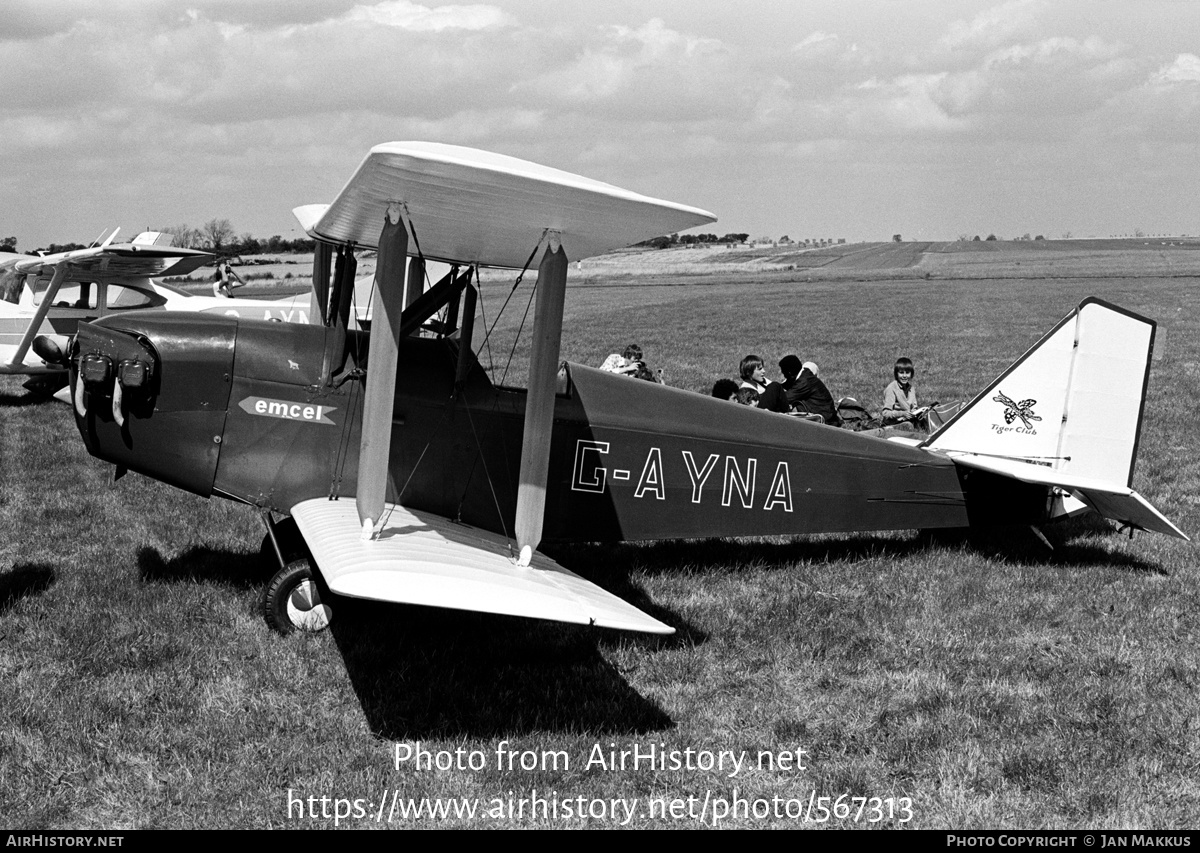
(1128, 258)
(995, 683)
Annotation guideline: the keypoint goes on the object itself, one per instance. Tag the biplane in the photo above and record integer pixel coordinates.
(387, 465)
(47, 296)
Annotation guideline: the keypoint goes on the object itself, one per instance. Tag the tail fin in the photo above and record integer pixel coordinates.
(1068, 413)
(154, 238)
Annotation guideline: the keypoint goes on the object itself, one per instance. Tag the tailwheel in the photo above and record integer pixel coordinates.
(297, 599)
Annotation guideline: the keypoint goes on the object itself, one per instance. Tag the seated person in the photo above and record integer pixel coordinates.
(754, 375)
(747, 397)
(616, 363)
(630, 363)
(725, 389)
(900, 397)
(800, 392)
(633, 357)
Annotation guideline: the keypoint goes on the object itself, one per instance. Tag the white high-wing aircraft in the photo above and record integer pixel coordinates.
(49, 295)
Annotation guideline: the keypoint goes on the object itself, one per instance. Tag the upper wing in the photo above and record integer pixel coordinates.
(422, 558)
(472, 206)
(117, 261)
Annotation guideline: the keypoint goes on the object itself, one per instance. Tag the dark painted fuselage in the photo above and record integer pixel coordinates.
(247, 410)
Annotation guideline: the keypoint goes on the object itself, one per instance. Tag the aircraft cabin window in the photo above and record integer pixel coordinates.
(121, 298)
(72, 294)
(10, 287)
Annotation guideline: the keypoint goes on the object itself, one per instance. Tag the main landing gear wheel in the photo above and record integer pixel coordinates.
(297, 599)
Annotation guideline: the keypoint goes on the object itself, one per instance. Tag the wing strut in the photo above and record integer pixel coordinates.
(60, 273)
(539, 404)
(464, 339)
(381, 375)
(415, 287)
(319, 303)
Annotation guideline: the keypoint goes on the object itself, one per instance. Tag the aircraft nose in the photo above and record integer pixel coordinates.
(150, 393)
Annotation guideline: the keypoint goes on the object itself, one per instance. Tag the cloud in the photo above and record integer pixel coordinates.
(1185, 69)
(646, 71)
(412, 16)
(993, 26)
(1048, 78)
(906, 103)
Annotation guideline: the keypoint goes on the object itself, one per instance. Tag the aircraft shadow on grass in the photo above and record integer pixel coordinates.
(426, 672)
(208, 565)
(10, 400)
(1072, 543)
(24, 580)
(423, 672)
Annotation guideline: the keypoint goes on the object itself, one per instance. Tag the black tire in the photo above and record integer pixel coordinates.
(297, 599)
(291, 543)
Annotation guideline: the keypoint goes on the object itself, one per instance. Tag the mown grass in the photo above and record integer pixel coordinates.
(995, 682)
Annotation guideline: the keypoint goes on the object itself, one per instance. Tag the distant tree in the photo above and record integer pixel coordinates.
(785, 240)
(217, 234)
(991, 237)
(1039, 237)
(895, 238)
(247, 244)
(8, 244)
(1066, 235)
(186, 237)
(975, 239)
(1026, 236)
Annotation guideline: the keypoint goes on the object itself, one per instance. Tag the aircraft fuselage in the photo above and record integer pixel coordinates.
(264, 413)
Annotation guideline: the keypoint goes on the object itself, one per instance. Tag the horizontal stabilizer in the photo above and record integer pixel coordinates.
(422, 558)
(1120, 503)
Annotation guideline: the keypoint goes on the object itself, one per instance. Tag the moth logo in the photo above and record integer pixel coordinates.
(1022, 410)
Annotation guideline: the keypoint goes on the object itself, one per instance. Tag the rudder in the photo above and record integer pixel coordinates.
(1072, 403)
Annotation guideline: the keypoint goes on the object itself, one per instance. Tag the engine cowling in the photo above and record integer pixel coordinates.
(151, 393)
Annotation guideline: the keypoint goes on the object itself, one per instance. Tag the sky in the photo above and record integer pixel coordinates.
(858, 120)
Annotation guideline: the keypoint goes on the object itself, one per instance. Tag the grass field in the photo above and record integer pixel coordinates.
(993, 683)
